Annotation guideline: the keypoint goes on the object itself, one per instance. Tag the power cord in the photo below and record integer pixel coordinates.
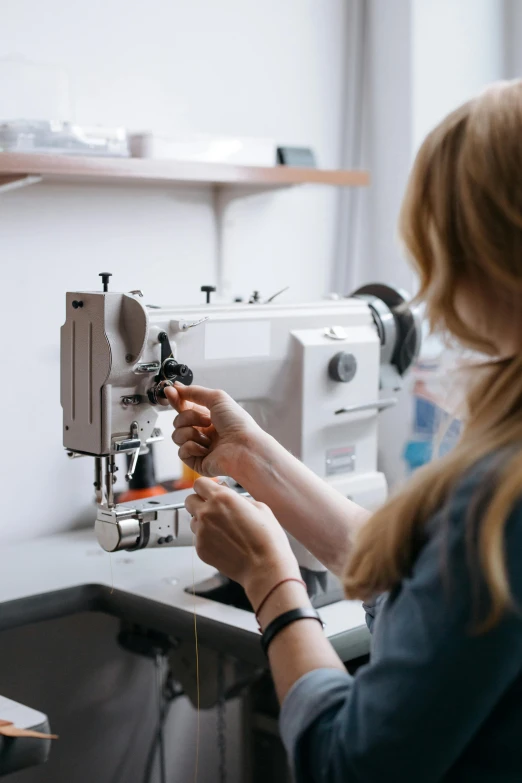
(167, 692)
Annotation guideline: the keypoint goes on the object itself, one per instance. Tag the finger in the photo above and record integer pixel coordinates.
(186, 434)
(190, 450)
(194, 525)
(199, 394)
(193, 417)
(171, 393)
(206, 488)
(194, 504)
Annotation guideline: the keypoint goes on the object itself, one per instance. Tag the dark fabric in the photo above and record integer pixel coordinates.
(437, 702)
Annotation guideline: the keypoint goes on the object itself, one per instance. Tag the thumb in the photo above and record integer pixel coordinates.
(174, 398)
(198, 394)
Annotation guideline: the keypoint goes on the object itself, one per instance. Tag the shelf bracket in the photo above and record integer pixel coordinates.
(223, 196)
(14, 181)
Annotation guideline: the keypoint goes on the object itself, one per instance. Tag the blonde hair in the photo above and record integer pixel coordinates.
(461, 223)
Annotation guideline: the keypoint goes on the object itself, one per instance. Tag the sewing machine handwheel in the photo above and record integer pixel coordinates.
(397, 322)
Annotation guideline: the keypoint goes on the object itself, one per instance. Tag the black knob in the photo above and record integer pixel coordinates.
(169, 368)
(208, 289)
(342, 367)
(76, 304)
(172, 369)
(105, 280)
(177, 372)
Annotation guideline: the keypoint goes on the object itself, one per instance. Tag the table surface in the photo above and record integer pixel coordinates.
(65, 573)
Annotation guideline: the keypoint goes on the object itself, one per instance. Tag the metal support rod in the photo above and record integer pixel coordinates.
(98, 479)
(219, 204)
(110, 470)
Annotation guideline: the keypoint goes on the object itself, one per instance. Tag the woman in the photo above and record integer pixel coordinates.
(440, 565)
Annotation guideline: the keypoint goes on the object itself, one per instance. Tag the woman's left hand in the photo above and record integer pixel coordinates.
(240, 537)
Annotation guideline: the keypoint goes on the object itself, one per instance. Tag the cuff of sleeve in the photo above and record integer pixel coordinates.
(372, 609)
(313, 694)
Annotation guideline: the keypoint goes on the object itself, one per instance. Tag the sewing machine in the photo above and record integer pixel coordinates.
(314, 375)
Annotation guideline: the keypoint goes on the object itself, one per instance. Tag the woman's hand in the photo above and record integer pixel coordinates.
(213, 432)
(240, 537)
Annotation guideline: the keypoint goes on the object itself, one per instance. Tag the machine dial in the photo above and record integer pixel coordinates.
(342, 367)
(173, 371)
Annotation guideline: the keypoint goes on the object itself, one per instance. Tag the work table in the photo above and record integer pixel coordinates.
(69, 573)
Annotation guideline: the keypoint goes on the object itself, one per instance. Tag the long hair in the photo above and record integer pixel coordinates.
(461, 223)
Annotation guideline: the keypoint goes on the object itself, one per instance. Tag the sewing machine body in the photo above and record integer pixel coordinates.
(308, 373)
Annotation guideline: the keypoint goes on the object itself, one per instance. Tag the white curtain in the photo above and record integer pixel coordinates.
(347, 272)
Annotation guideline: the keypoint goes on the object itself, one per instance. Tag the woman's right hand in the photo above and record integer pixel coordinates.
(213, 432)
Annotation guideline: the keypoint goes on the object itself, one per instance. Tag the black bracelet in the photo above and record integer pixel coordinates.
(285, 619)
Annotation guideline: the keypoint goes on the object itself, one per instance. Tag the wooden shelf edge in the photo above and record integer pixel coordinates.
(62, 167)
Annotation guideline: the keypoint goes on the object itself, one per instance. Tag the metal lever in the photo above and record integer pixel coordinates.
(129, 443)
(184, 326)
(278, 293)
(146, 367)
(132, 465)
(379, 405)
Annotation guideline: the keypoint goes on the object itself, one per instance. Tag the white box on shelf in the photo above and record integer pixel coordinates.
(235, 150)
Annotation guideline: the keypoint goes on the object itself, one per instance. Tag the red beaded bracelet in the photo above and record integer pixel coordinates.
(273, 589)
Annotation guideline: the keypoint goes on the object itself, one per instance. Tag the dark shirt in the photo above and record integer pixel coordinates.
(437, 702)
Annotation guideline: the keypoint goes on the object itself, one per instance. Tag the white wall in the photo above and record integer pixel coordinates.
(458, 48)
(270, 69)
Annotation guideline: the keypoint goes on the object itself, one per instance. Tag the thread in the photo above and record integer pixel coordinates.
(112, 573)
(197, 658)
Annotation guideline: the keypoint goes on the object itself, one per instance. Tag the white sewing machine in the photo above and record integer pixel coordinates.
(314, 375)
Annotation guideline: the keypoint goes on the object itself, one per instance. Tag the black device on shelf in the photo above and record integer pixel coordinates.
(296, 156)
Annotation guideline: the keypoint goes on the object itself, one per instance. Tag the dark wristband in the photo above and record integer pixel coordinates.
(285, 619)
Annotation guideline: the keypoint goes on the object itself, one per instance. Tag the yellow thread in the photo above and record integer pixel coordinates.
(112, 573)
(197, 655)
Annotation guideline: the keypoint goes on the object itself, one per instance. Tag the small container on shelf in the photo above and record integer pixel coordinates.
(62, 138)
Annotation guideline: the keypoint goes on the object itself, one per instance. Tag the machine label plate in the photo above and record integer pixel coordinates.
(340, 460)
(229, 340)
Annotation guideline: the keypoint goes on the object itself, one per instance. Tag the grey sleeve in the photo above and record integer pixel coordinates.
(312, 695)
(319, 690)
(429, 687)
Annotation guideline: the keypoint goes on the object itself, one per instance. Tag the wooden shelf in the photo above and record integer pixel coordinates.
(17, 168)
